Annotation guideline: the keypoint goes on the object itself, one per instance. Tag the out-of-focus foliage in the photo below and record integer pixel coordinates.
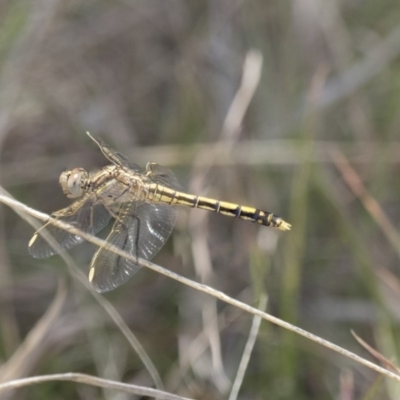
(156, 80)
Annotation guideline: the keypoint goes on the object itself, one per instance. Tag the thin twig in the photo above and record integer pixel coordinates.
(255, 327)
(353, 181)
(229, 136)
(93, 381)
(20, 362)
(247, 152)
(385, 361)
(202, 288)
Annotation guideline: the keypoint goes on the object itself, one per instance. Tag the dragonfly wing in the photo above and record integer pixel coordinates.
(141, 234)
(156, 224)
(162, 175)
(85, 214)
(113, 155)
(109, 270)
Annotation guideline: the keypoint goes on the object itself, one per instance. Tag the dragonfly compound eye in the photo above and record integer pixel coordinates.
(73, 182)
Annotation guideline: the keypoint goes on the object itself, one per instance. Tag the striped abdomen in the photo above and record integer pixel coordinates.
(160, 194)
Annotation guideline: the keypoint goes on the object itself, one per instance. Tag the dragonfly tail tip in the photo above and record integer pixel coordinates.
(285, 226)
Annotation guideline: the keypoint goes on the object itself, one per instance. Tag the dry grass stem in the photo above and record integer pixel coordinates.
(356, 185)
(20, 362)
(387, 363)
(203, 288)
(93, 381)
(251, 340)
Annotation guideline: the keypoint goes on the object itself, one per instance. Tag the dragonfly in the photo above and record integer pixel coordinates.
(141, 201)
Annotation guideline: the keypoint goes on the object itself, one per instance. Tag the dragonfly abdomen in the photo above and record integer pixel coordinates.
(162, 194)
(242, 212)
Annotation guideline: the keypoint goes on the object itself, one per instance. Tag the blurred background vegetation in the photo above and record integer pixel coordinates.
(157, 80)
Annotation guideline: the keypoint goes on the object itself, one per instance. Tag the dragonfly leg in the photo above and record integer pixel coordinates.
(65, 212)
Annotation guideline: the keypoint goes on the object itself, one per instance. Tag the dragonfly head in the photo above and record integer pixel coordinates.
(73, 182)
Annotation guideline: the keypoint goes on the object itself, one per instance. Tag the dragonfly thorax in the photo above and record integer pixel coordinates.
(73, 183)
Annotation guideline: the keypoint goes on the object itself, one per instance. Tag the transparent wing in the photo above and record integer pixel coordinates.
(162, 175)
(156, 224)
(141, 234)
(84, 214)
(108, 270)
(114, 156)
